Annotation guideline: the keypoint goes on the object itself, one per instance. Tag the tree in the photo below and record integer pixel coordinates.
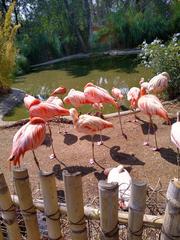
(8, 32)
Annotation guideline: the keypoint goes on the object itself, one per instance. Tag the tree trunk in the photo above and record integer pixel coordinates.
(74, 27)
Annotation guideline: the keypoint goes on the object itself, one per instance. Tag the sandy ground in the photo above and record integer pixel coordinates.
(74, 150)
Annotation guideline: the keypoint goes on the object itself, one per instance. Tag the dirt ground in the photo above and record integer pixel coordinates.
(74, 150)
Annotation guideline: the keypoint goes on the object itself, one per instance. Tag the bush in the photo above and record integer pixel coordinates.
(22, 65)
(7, 49)
(164, 58)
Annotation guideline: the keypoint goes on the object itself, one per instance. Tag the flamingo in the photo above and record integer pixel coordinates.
(133, 96)
(157, 84)
(59, 90)
(97, 94)
(58, 102)
(28, 137)
(175, 138)
(120, 175)
(47, 111)
(151, 105)
(89, 125)
(76, 98)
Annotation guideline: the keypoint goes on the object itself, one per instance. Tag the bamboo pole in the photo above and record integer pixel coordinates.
(171, 224)
(8, 210)
(1, 235)
(75, 206)
(22, 185)
(137, 206)
(51, 208)
(108, 194)
(150, 221)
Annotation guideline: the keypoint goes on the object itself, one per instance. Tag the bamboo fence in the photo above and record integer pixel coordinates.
(111, 220)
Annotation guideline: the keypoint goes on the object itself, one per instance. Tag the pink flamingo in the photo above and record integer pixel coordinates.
(175, 138)
(97, 94)
(58, 102)
(47, 111)
(151, 105)
(89, 125)
(157, 84)
(76, 98)
(59, 90)
(133, 96)
(28, 137)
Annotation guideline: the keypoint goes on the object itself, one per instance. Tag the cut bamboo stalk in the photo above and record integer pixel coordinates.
(75, 206)
(51, 208)
(137, 205)
(108, 200)
(171, 224)
(1, 235)
(8, 211)
(150, 221)
(28, 210)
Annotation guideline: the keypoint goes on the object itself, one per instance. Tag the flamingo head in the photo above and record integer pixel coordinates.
(74, 113)
(166, 75)
(66, 100)
(141, 81)
(89, 84)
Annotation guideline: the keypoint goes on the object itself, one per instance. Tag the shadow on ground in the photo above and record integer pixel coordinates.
(169, 155)
(71, 169)
(96, 138)
(124, 158)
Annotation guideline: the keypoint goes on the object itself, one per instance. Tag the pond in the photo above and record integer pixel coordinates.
(120, 71)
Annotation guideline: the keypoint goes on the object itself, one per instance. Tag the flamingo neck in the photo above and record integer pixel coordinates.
(35, 102)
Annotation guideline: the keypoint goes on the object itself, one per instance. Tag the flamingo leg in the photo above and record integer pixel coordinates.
(120, 122)
(155, 138)
(101, 141)
(50, 132)
(36, 160)
(178, 164)
(93, 157)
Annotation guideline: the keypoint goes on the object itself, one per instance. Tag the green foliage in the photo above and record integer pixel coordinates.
(7, 49)
(164, 58)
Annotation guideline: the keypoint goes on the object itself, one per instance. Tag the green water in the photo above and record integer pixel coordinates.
(122, 72)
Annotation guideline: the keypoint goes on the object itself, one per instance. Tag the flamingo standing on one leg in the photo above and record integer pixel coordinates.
(97, 94)
(89, 125)
(116, 93)
(151, 105)
(58, 102)
(133, 96)
(157, 84)
(28, 137)
(76, 98)
(175, 138)
(47, 111)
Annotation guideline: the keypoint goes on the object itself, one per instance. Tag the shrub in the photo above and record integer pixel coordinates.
(7, 49)
(164, 58)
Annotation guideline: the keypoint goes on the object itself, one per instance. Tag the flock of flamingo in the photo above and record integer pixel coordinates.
(32, 134)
